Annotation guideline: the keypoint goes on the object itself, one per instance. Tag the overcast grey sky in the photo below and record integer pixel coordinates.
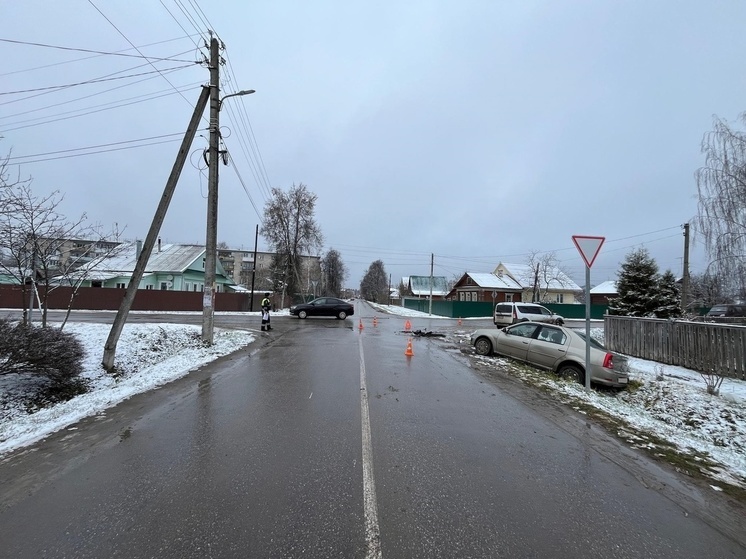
(477, 131)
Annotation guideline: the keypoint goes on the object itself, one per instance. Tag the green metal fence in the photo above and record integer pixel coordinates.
(470, 309)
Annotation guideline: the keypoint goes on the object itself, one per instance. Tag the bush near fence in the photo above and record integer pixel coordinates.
(704, 347)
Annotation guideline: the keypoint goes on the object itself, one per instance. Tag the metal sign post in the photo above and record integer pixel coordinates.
(588, 247)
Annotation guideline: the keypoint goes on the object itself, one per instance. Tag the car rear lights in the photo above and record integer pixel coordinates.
(608, 361)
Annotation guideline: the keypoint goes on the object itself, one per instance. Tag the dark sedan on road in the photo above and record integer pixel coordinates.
(324, 306)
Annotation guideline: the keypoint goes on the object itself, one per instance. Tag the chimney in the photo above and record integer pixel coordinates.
(159, 244)
(138, 250)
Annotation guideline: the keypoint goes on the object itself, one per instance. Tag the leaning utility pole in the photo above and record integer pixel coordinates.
(685, 277)
(129, 296)
(211, 240)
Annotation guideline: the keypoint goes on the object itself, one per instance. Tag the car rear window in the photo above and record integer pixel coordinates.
(504, 309)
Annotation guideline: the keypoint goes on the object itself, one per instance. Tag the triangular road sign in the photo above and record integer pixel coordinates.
(588, 247)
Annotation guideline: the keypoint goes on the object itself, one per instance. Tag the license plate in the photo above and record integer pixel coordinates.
(623, 381)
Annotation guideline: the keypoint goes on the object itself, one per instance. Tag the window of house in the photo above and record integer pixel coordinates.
(560, 297)
(149, 287)
(509, 297)
(164, 286)
(121, 286)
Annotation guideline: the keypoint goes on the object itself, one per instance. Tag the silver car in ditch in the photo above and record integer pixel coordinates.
(554, 348)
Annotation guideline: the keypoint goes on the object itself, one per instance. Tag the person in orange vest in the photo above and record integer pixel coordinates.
(266, 307)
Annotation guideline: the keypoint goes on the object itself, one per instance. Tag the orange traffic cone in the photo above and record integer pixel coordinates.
(407, 325)
(408, 352)
(375, 321)
(361, 324)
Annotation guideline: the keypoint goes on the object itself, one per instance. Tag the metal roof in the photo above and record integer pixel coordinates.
(420, 285)
(524, 275)
(492, 281)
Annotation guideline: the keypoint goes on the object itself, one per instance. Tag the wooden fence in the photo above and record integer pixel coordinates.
(704, 347)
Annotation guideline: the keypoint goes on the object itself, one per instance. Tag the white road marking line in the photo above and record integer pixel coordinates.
(370, 506)
(310, 396)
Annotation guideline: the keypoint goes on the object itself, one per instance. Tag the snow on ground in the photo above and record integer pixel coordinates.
(670, 403)
(666, 401)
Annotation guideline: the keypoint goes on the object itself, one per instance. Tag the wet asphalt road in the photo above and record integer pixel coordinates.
(324, 440)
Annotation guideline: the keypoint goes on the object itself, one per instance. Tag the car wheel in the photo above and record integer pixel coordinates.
(483, 346)
(559, 322)
(302, 314)
(572, 373)
(342, 315)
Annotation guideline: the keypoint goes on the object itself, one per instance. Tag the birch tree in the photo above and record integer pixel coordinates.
(721, 186)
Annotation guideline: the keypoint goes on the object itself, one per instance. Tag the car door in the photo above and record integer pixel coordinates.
(547, 347)
(514, 341)
(326, 307)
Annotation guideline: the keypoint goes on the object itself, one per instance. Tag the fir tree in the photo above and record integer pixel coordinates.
(637, 286)
(669, 302)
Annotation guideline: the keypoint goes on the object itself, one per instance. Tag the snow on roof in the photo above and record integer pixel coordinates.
(420, 285)
(605, 288)
(492, 281)
(524, 274)
(170, 258)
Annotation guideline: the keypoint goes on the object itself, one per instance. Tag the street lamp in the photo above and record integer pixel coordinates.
(211, 241)
(242, 92)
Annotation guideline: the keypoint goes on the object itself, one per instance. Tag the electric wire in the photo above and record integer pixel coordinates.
(110, 77)
(103, 151)
(138, 50)
(107, 53)
(44, 67)
(29, 123)
(179, 24)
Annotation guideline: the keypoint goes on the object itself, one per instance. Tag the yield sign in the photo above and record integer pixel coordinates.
(588, 247)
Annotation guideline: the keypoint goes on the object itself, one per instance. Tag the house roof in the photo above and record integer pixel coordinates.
(524, 275)
(420, 285)
(171, 258)
(492, 281)
(605, 288)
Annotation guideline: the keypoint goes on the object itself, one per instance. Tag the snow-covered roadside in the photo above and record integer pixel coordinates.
(148, 355)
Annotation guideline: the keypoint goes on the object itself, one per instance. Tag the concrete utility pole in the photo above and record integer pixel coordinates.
(685, 277)
(211, 240)
(432, 261)
(129, 296)
(253, 272)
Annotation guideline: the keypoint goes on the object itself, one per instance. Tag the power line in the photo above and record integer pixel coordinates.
(138, 50)
(102, 151)
(87, 82)
(94, 51)
(87, 58)
(14, 158)
(92, 110)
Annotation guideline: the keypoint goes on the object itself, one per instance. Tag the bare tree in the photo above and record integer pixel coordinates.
(35, 239)
(32, 233)
(291, 229)
(721, 185)
(334, 273)
(546, 274)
